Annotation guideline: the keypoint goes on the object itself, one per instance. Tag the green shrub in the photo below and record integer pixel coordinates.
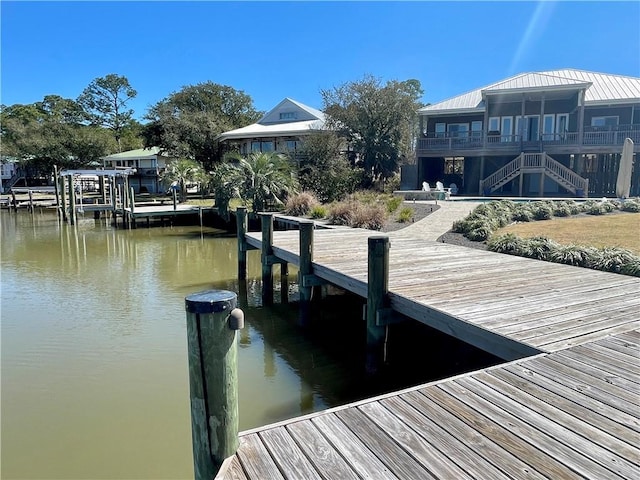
(301, 204)
(507, 243)
(541, 211)
(393, 203)
(523, 214)
(318, 211)
(596, 208)
(392, 184)
(630, 206)
(561, 209)
(631, 268)
(575, 255)
(538, 248)
(609, 206)
(612, 259)
(406, 215)
(459, 226)
(574, 207)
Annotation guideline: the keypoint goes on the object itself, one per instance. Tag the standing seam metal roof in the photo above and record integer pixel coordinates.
(604, 88)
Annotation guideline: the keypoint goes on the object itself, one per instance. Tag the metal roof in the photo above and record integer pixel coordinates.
(269, 125)
(257, 130)
(140, 153)
(601, 88)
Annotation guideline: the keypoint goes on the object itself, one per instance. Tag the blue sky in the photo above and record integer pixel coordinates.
(272, 50)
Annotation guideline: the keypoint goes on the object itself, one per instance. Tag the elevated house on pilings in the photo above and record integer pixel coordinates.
(554, 133)
(282, 130)
(146, 164)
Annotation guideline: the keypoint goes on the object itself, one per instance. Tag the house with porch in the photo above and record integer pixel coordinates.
(148, 163)
(280, 130)
(552, 133)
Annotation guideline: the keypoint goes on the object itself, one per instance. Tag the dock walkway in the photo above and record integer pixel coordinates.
(568, 410)
(569, 414)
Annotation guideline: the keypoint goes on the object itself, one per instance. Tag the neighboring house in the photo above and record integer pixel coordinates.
(148, 163)
(8, 172)
(280, 130)
(554, 133)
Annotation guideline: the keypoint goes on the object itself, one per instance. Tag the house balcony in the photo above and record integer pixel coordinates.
(594, 140)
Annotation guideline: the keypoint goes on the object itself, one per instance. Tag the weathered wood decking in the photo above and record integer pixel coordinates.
(568, 414)
(508, 305)
(568, 411)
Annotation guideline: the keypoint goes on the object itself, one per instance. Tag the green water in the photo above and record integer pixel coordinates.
(94, 350)
(94, 366)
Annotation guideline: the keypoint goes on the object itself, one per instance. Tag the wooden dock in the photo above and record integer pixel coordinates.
(565, 407)
(568, 414)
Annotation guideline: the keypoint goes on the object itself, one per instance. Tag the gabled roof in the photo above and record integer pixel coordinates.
(287, 118)
(600, 89)
(140, 153)
(533, 81)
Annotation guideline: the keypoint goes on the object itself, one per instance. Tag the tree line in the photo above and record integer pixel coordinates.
(370, 130)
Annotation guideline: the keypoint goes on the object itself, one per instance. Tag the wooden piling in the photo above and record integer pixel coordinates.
(267, 254)
(306, 268)
(132, 206)
(14, 201)
(114, 200)
(284, 282)
(174, 196)
(31, 201)
(63, 198)
(72, 202)
(241, 227)
(377, 298)
(212, 321)
(56, 185)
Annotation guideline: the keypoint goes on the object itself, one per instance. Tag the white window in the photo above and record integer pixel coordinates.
(604, 121)
(288, 115)
(494, 124)
(458, 129)
(507, 129)
(548, 125)
(476, 128)
(562, 123)
(440, 129)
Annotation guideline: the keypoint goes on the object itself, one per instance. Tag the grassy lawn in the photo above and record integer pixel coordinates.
(619, 230)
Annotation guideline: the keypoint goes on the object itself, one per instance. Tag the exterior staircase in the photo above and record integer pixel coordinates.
(11, 182)
(536, 163)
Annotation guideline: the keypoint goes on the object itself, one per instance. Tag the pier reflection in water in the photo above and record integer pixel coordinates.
(94, 350)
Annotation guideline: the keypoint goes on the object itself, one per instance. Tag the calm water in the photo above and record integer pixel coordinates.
(94, 350)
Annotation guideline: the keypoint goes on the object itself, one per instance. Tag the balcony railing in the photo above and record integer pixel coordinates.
(592, 136)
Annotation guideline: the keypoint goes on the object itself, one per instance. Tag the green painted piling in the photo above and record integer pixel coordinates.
(212, 322)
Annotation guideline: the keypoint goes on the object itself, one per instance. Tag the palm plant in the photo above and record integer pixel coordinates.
(263, 178)
(182, 172)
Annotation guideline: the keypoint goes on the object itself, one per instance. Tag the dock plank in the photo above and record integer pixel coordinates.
(320, 452)
(397, 459)
(255, 459)
(285, 452)
(551, 439)
(504, 433)
(355, 452)
(470, 450)
(404, 436)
